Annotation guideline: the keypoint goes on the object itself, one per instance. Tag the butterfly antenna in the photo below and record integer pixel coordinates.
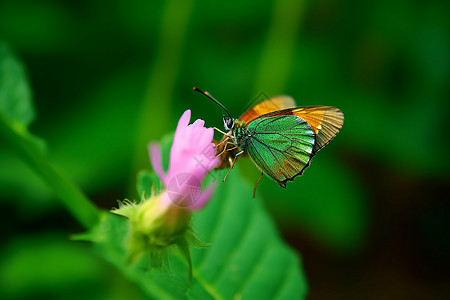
(213, 99)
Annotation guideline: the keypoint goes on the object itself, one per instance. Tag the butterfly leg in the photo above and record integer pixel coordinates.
(235, 147)
(215, 128)
(225, 149)
(254, 190)
(223, 141)
(232, 165)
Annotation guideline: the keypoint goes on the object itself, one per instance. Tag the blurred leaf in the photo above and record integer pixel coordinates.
(147, 182)
(391, 135)
(107, 112)
(16, 105)
(21, 186)
(100, 132)
(38, 26)
(15, 96)
(155, 107)
(16, 112)
(51, 265)
(327, 200)
(64, 263)
(247, 253)
(278, 51)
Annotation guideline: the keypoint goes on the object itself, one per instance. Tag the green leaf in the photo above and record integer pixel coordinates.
(49, 264)
(327, 201)
(16, 112)
(146, 182)
(15, 95)
(247, 252)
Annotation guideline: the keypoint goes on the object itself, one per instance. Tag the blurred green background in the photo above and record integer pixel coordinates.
(370, 217)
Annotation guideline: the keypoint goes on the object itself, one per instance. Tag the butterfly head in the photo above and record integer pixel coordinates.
(228, 122)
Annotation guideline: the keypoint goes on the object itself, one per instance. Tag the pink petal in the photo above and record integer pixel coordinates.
(155, 159)
(192, 152)
(184, 119)
(204, 198)
(207, 136)
(183, 122)
(198, 123)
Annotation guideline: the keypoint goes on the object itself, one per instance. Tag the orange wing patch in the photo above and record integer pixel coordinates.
(326, 122)
(267, 106)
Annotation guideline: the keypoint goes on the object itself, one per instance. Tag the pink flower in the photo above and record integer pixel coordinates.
(191, 158)
(163, 219)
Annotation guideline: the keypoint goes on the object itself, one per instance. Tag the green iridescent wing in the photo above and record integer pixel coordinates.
(281, 146)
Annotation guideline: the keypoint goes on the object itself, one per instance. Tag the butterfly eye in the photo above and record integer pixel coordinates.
(228, 123)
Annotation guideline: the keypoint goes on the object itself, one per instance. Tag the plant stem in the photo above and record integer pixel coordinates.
(72, 198)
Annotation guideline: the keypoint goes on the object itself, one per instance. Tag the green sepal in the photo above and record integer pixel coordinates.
(184, 248)
(193, 239)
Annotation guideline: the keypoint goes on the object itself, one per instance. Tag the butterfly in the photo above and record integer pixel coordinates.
(279, 137)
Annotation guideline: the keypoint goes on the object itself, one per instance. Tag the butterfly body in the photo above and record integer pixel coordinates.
(281, 143)
(279, 137)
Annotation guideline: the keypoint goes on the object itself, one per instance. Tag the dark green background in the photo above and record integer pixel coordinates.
(371, 215)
